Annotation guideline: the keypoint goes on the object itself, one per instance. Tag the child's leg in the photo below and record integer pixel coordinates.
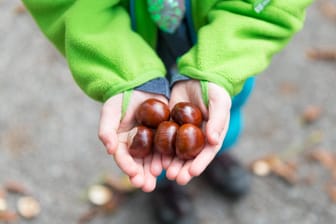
(236, 118)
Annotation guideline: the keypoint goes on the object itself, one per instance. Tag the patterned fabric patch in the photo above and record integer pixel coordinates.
(259, 5)
(167, 14)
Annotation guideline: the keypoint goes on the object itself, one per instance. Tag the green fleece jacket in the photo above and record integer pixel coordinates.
(107, 57)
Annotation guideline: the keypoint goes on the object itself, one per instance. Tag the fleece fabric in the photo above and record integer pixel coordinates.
(106, 56)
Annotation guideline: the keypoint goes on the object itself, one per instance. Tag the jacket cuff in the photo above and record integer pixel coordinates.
(176, 76)
(157, 86)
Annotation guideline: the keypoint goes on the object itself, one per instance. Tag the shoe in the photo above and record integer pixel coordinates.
(172, 205)
(228, 176)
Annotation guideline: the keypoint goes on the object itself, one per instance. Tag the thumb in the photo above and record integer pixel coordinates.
(110, 122)
(219, 114)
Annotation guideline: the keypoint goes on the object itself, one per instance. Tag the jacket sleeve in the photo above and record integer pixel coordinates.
(104, 55)
(237, 42)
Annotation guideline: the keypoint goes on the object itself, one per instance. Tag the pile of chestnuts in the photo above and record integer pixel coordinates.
(175, 132)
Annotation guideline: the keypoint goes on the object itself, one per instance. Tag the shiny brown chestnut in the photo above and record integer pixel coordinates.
(140, 141)
(165, 136)
(152, 112)
(190, 141)
(185, 112)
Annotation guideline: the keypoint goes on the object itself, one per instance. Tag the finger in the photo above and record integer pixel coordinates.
(109, 123)
(177, 96)
(149, 185)
(156, 165)
(174, 168)
(166, 161)
(203, 159)
(125, 161)
(219, 111)
(184, 176)
(209, 152)
(216, 123)
(150, 180)
(139, 179)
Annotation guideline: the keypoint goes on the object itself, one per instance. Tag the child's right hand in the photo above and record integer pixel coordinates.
(113, 132)
(216, 115)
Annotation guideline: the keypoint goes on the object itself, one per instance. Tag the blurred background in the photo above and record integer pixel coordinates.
(49, 148)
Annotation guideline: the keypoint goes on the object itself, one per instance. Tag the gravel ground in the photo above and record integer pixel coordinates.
(48, 131)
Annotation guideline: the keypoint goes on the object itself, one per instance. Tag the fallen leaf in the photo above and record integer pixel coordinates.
(112, 205)
(321, 54)
(89, 215)
(325, 157)
(121, 184)
(328, 9)
(308, 180)
(8, 216)
(283, 169)
(311, 114)
(2, 193)
(104, 200)
(288, 88)
(17, 139)
(15, 187)
(273, 164)
(19, 9)
(331, 191)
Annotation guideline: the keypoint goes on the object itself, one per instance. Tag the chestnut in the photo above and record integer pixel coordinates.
(152, 112)
(164, 139)
(190, 141)
(140, 141)
(185, 112)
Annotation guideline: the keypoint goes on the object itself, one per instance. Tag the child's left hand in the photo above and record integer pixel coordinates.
(216, 116)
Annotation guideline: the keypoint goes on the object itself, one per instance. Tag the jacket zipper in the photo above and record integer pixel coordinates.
(190, 22)
(132, 14)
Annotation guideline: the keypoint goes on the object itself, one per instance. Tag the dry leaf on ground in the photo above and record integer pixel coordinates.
(19, 9)
(8, 216)
(15, 187)
(121, 184)
(328, 8)
(311, 114)
(273, 164)
(321, 54)
(88, 215)
(331, 191)
(288, 88)
(325, 157)
(2, 193)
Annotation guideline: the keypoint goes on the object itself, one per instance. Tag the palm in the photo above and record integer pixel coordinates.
(114, 134)
(215, 128)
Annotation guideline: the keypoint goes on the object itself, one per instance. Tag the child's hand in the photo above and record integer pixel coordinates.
(113, 132)
(217, 117)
